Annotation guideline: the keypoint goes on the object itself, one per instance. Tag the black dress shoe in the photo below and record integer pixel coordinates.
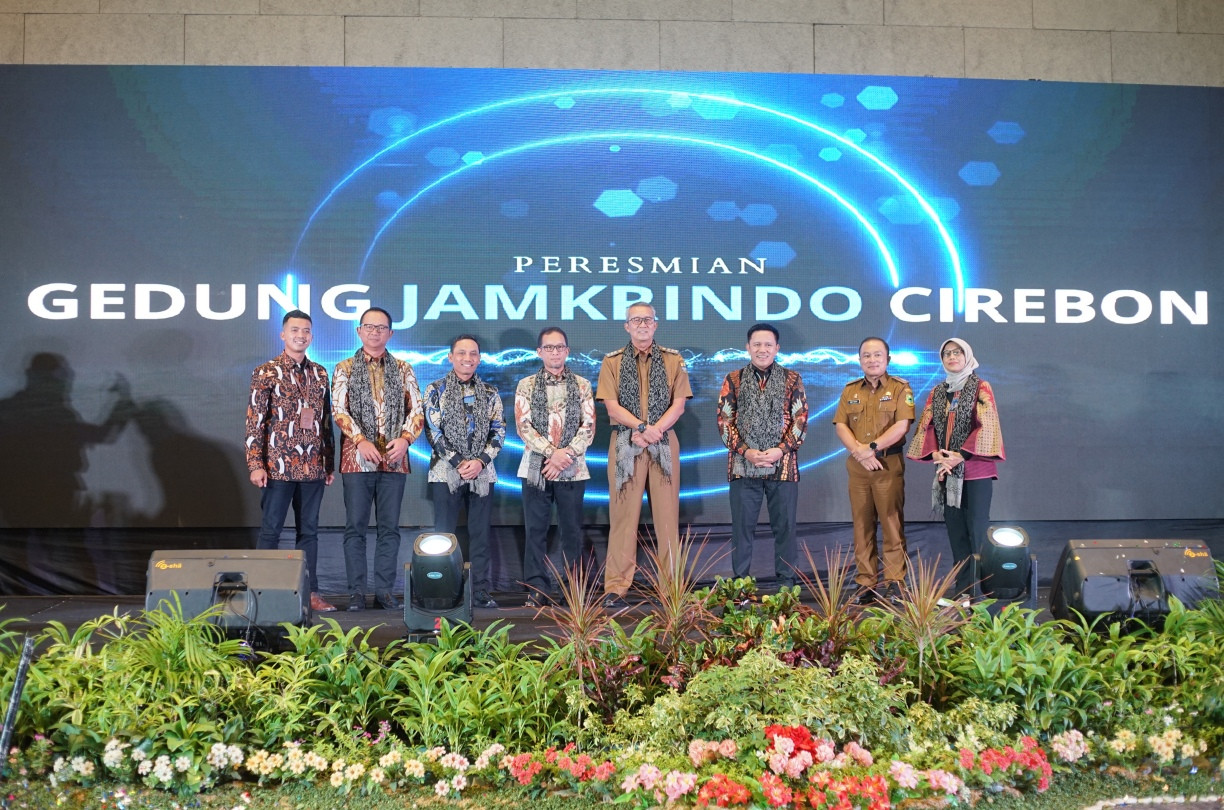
(386, 601)
(356, 601)
(537, 601)
(614, 601)
(481, 599)
(866, 597)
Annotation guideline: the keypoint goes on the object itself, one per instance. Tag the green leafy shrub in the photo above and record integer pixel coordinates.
(737, 701)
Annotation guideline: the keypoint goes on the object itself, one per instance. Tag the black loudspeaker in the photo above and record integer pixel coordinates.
(258, 590)
(1123, 579)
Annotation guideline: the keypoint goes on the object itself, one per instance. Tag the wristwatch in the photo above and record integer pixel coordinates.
(641, 428)
(875, 448)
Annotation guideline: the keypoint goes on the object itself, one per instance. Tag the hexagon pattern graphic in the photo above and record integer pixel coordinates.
(618, 202)
(876, 97)
(723, 211)
(657, 189)
(979, 173)
(1006, 132)
(758, 214)
(442, 156)
(775, 254)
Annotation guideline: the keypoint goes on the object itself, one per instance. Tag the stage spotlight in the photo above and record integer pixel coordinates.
(436, 581)
(1005, 568)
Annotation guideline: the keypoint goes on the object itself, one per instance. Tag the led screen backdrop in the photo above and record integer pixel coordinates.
(155, 224)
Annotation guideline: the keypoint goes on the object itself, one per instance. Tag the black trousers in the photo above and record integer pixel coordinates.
(447, 506)
(782, 498)
(967, 526)
(537, 518)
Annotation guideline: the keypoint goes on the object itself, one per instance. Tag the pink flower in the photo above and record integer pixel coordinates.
(798, 764)
(942, 780)
(859, 754)
(904, 774)
(678, 784)
(649, 776)
(728, 748)
(825, 751)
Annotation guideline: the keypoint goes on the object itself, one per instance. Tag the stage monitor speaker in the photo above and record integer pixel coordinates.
(1123, 579)
(257, 589)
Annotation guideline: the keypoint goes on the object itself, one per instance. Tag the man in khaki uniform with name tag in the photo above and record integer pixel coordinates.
(873, 415)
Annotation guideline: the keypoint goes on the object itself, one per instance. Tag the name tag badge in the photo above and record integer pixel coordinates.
(853, 402)
(886, 398)
(306, 419)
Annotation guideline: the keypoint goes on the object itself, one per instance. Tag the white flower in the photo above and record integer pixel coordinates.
(218, 756)
(144, 767)
(182, 764)
(377, 776)
(162, 771)
(442, 787)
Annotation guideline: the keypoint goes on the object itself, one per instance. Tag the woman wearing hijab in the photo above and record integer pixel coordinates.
(959, 432)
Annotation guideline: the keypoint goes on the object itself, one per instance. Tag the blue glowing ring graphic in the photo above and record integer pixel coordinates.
(927, 208)
(519, 355)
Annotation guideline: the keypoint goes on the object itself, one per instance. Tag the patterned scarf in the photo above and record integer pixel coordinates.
(759, 416)
(629, 396)
(948, 492)
(539, 419)
(361, 404)
(467, 432)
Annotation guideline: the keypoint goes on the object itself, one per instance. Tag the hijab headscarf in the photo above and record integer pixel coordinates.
(957, 381)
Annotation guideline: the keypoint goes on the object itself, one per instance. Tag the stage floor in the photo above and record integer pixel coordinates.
(33, 614)
(30, 605)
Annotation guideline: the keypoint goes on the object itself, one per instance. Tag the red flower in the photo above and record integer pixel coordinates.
(776, 793)
(722, 791)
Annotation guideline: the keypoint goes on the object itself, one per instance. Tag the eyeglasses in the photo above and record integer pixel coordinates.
(374, 328)
(554, 347)
(953, 353)
(642, 320)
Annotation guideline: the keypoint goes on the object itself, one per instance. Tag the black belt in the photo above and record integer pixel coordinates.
(892, 451)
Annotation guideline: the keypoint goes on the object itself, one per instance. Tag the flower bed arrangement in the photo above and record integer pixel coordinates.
(719, 697)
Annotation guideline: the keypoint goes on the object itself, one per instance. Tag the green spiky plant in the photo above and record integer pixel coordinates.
(831, 598)
(680, 614)
(920, 619)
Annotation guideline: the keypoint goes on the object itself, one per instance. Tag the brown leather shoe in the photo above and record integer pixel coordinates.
(320, 605)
